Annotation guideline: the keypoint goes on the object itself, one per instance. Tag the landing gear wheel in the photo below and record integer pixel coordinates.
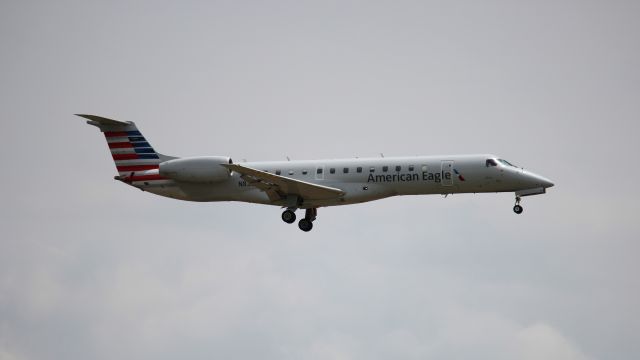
(288, 216)
(305, 225)
(517, 209)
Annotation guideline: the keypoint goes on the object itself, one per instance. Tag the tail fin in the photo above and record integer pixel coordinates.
(135, 158)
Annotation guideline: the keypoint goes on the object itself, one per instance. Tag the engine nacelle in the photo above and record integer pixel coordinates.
(196, 169)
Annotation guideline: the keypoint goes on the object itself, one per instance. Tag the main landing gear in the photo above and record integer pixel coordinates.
(305, 224)
(288, 216)
(517, 207)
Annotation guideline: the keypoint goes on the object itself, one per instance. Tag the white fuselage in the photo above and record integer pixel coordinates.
(310, 184)
(366, 179)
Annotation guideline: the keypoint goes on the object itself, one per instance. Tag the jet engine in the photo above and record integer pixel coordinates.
(205, 169)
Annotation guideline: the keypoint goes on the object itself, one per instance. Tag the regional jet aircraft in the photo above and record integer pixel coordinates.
(311, 184)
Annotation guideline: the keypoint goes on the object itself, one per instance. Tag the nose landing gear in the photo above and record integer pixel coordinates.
(517, 208)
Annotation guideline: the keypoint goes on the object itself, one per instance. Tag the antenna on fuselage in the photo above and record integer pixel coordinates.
(381, 155)
(288, 159)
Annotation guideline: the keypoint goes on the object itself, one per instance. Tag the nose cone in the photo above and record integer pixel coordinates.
(538, 180)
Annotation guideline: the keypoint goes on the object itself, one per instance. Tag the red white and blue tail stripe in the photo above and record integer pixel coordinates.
(135, 159)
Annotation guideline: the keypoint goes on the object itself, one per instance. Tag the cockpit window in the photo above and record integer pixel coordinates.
(491, 162)
(505, 162)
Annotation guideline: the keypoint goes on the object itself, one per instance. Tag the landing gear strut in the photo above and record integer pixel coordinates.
(517, 208)
(306, 224)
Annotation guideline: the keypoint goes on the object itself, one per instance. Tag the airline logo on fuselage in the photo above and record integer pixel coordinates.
(426, 176)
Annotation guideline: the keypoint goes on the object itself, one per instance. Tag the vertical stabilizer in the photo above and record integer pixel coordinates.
(136, 160)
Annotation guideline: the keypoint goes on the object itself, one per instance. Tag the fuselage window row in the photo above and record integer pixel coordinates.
(346, 170)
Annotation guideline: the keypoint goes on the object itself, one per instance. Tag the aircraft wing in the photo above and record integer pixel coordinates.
(278, 187)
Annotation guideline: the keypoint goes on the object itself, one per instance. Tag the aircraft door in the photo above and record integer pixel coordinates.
(447, 172)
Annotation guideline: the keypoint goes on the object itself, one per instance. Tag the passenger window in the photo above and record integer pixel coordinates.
(319, 171)
(359, 169)
(277, 172)
(304, 172)
(398, 168)
(372, 169)
(491, 162)
(332, 170)
(410, 167)
(345, 170)
(290, 172)
(385, 168)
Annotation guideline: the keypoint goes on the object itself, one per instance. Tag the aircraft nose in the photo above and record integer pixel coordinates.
(546, 183)
(538, 180)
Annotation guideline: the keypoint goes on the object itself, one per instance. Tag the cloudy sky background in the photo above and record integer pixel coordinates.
(91, 268)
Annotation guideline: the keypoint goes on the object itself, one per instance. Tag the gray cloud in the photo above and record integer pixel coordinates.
(90, 268)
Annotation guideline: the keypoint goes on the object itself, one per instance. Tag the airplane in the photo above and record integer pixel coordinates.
(307, 185)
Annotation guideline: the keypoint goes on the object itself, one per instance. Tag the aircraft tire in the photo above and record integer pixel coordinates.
(288, 216)
(305, 225)
(517, 209)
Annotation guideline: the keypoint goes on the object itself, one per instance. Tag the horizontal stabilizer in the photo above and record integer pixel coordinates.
(102, 121)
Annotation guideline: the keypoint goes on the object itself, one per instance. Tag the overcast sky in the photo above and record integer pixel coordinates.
(93, 269)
